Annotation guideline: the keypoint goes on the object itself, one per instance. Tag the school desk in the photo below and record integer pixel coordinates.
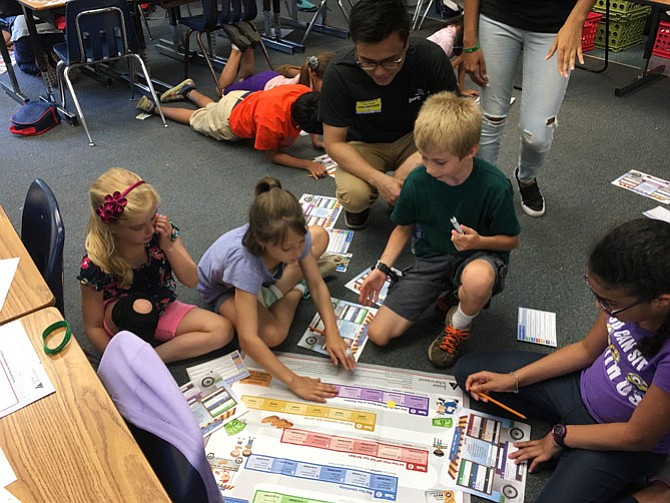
(28, 291)
(646, 75)
(72, 445)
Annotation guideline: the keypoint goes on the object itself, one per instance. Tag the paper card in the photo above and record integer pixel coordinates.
(230, 367)
(355, 285)
(320, 210)
(340, 240)
(352, 320)
(537, 327)
(142, 116)
(645, 185)
(213, 403)
(328, 163)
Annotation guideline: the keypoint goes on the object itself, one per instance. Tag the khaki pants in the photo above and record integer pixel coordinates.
(355, 194)
(212, 120)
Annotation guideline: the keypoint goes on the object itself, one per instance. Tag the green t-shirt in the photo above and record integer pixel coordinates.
(484, 202)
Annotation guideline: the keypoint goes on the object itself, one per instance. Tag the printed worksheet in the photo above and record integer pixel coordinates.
(646, 185)
(23, 379)
(355, 285)
(352, 320)
(320, 210)
(387, 436)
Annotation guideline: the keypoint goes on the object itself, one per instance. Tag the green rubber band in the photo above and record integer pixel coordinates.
(51, 329)
(471, 49)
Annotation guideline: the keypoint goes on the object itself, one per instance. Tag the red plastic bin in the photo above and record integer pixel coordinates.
(589, 31)
(662, 43)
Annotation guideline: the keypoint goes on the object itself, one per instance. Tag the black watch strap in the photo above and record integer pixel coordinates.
(386, 270)
(558, 432)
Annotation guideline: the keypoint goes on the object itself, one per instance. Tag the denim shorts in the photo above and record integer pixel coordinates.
(423, 281)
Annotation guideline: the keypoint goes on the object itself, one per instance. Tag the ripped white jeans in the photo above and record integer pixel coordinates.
(543, 90)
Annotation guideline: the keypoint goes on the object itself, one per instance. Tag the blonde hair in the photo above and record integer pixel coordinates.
(100, 239)
(272, 214)
(448, 123)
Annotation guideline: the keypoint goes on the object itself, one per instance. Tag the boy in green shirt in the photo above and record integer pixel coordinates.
(469, 257)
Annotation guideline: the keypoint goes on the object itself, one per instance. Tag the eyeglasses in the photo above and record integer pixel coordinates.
(604, 303)
(387, 64)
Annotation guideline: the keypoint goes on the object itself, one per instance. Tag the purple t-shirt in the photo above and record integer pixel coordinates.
(617, 381)
(228, 264)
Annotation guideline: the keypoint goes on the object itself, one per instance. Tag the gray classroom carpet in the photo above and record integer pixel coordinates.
(207, 187)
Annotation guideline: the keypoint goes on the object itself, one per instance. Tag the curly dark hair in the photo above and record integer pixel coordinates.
(636, 256)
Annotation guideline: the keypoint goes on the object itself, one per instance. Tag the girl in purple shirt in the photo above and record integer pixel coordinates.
(608, 394)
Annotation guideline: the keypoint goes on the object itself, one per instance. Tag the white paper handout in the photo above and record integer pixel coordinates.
(8, 268)
(658, 213)
(23, 379)
(352, 320)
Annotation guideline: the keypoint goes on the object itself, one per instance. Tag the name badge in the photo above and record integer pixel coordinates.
(369, 106)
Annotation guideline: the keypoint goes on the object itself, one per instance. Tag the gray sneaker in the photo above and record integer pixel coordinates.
(446, 348)
(178, 92)
(146, 105)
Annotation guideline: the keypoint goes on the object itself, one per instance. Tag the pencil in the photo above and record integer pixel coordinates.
(501, 405)
(317, 330)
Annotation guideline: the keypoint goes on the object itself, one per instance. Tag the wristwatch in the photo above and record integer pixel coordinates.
(558, 432)
(386, 270)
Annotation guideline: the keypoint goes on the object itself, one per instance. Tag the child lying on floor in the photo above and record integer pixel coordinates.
(273, 118)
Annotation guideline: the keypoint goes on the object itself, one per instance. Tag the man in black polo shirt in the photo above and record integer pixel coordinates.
(370, 98)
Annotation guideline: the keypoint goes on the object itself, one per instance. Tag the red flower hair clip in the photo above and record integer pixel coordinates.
(114, 204)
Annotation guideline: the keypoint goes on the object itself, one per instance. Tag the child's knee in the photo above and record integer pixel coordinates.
(377, 334)
(273, 335)
(478, 279)
(320, 239)
(221, 329)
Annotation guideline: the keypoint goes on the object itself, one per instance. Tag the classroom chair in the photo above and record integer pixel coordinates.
(43, 235)
(159, 418)
(216, 15)
(99, 31)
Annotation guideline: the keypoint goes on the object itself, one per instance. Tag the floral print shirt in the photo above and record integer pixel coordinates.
(153, 278)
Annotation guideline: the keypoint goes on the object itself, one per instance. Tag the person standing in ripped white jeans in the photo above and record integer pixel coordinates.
(548, 33)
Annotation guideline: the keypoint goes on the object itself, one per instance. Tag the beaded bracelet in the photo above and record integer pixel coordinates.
(471, 49)
(516, 376)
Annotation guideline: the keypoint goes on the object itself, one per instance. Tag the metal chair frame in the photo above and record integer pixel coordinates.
(124, 52)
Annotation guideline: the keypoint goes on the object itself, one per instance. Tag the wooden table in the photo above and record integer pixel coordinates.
(73, 446)
(29, 292)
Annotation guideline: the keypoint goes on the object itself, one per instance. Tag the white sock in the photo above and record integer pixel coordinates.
(234, 48)
(276, 291)
(301, 287)
(460, 320)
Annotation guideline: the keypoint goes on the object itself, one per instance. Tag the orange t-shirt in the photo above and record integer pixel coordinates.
(265, 116)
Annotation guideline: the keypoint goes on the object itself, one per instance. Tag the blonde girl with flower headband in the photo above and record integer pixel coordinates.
(127, 275)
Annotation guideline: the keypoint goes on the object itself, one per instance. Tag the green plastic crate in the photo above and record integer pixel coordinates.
(619, 8)
(624, 32)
